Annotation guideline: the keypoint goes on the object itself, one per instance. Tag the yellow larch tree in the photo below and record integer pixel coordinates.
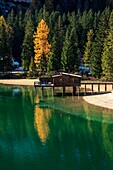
(41, 45)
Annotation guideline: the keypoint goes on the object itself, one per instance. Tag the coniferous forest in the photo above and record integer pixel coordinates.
(59, 36)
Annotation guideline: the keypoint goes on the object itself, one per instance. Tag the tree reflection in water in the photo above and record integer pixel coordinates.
(41, 118)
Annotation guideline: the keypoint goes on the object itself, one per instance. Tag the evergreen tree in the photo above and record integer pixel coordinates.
(10, 23)
(85, 23)
(52, 22)
(18, 36)
(27, 45)
(107, 56)
(96, 20)
(41, 45)
(32, 65)
(56, 45)
(97, 46)
(11, 18)
(43, 14)
(31, 72)
(54, 63)
(70, 60)
(4, 48)
(88, 48)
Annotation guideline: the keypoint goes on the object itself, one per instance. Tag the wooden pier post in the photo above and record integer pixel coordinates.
(74, 90)
(53, 91)
(92, 87)
(99, 87)
(85, 89)
(63, 90)
(105, 87)
(42, 91)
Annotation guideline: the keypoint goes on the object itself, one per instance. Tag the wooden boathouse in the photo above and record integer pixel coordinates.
(60, 80)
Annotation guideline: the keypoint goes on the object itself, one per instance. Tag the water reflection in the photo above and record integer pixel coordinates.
(96, 113)
(105, 117)
(41, 118)
(64, 133)
(107, 131)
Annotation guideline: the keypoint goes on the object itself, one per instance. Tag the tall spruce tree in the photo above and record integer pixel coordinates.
(18, 36)
(88, 48)
(97, 46)
(10, 23)
(54, 63)
(4, 47)
(107, 56)
(85, 23)
(70, 60)
(27, 45)
(56, 45)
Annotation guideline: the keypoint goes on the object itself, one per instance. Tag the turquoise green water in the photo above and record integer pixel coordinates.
(53, 133)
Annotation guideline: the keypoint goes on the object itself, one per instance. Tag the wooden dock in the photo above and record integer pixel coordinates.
(43, 86)
(62, 80)
(85, 85)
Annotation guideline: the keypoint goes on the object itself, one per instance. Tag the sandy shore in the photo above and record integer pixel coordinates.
(29, 82)
(102, 100)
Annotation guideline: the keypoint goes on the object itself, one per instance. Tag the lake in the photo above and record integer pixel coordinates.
(53, 132)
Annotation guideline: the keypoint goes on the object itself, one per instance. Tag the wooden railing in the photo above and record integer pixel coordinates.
(100, 85)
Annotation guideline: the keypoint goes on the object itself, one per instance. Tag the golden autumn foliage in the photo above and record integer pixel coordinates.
(41, 44)
(3, 22)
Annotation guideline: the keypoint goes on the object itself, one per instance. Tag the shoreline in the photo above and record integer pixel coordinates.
(20, 82)
(101, 100)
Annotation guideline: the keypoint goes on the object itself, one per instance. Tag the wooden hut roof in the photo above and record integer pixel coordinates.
(67, 74)
(73, 75)
(58, 75)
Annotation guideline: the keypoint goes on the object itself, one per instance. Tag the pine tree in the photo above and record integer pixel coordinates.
(4, 48)
(43, 14)
(27, 45)
(10, 23)
(53, 21)
(70, 60)
(18, 36)
(97, 46)
(88, 48)
(56, 44)
(54, 63)
(85, 23)
(41, 45)
(31, 72)
(107, 56)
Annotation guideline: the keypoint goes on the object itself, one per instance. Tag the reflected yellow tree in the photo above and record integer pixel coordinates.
(41, 119)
